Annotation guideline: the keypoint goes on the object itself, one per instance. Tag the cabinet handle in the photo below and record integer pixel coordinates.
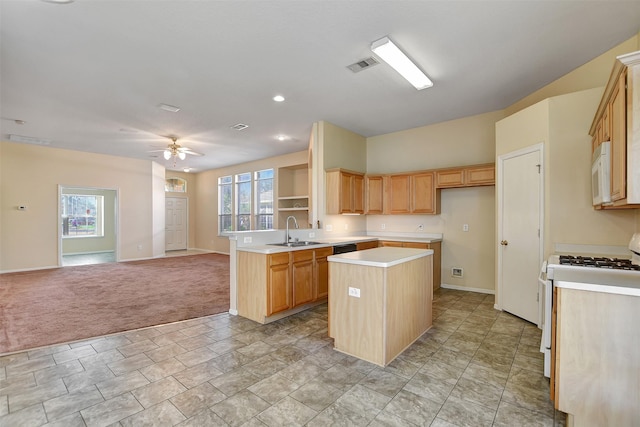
(504, 243)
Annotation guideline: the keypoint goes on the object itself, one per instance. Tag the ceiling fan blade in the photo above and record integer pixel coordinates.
(190, 151)
(157, 151)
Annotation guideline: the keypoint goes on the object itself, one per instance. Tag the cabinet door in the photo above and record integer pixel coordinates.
(322, 272)
(278, 289)
(480, 175)
(390, 243)
(415, 245)
(302, 277)
(346, 196)
(618, 141)
(399, 194)
(367, 245)
(357, 194)
(450, 178)
(423, 193)
(374, 195)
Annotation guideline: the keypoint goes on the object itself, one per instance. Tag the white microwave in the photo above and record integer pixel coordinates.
(601, 174)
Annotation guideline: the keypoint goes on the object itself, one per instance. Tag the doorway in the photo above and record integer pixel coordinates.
(176, 223)
(87, 219)
(520, 230)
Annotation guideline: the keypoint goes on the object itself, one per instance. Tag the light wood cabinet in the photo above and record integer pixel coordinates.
(437, 255)
(596, 357)
(412, 194)
(467, 176)
(322, 272)
(367, 245)
(272, 284)
(374, 194)
(616, 109)
(617, 119)
(345, 191)
(302, 277)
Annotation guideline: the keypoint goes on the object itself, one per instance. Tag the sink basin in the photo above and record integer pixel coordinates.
(296, 244)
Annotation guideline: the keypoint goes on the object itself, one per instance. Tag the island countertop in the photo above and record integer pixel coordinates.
(381, 257)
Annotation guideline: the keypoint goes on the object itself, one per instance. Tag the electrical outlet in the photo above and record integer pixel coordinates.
(312, 235)
(354, 292)
(383, 226)
(346, 226)
(420, 227)
(328, 227)
(247, 239)
(465, 227)
(456, 272)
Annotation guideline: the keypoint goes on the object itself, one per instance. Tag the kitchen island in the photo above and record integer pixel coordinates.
(379, 301)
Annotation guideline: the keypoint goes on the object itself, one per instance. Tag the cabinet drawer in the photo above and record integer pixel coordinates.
(323, 252)
(297, 256)
(279, 258)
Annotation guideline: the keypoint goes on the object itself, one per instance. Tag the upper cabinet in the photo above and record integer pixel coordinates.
(618, 120)
(374, 194)
(345, 192)
(412, 194)
(467, 176)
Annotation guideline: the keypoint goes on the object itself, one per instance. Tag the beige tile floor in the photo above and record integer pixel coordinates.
(475, 367)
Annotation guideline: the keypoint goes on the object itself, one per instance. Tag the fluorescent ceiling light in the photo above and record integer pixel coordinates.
(392, 55)
(28, 139)
(170, 108)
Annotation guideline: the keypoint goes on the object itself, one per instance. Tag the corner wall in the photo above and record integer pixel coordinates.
(30, 176)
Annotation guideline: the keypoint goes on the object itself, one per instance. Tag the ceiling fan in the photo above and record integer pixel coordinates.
(176, 151)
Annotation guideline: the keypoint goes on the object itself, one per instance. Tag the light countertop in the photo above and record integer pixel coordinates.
(620, 282)
(381, 257)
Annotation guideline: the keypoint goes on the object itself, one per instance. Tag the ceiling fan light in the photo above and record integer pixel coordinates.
(182, 155)
(166, 154)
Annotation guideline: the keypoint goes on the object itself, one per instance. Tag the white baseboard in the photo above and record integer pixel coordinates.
(20, 270)
(233, 312)
(468, 289)
(88, 253)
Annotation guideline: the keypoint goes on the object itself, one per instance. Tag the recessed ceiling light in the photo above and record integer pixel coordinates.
(278, 98)
(281, 137)
(170, 108)
(187, 170)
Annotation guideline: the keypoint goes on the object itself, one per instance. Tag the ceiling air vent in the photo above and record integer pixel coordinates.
(239, 126)
(363, 64)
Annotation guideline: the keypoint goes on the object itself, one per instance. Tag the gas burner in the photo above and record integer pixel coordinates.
(599, 262)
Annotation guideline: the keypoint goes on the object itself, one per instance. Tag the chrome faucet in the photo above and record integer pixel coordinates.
(286, 237)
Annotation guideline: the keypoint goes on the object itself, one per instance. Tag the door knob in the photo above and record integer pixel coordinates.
(504, 243)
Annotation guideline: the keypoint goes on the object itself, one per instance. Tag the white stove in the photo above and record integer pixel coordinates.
(595, 273)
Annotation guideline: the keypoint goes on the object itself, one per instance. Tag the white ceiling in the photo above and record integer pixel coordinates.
(89, 75)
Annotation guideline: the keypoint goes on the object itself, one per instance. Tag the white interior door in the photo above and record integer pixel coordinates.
(176, 223)
(520, 230)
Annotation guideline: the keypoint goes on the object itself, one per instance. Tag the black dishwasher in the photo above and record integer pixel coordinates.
(343, 249)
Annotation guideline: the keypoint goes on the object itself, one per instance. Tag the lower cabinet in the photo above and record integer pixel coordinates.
(367, 245)
(269, 284)
(437, 251)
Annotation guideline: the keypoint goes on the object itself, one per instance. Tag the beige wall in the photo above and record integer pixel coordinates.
(206, 221)
(344, 149)
(466, 141)
(30, 176)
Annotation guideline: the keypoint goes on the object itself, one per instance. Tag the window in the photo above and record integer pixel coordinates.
(243, 201)
(250, 206)
(264, 199)
(175, 185)
(225, 204)
(82, 215)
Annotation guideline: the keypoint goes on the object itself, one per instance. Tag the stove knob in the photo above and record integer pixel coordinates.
(504, 243)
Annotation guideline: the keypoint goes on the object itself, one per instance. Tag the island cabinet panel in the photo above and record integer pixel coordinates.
(437, 255)
(302, 277)
(252, 295)
(597, 368)
(392, 311)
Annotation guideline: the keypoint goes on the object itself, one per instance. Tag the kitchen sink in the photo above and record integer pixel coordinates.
(296, 244)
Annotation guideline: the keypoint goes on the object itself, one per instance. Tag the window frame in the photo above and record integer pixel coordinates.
(98, 216)
(245, 207)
